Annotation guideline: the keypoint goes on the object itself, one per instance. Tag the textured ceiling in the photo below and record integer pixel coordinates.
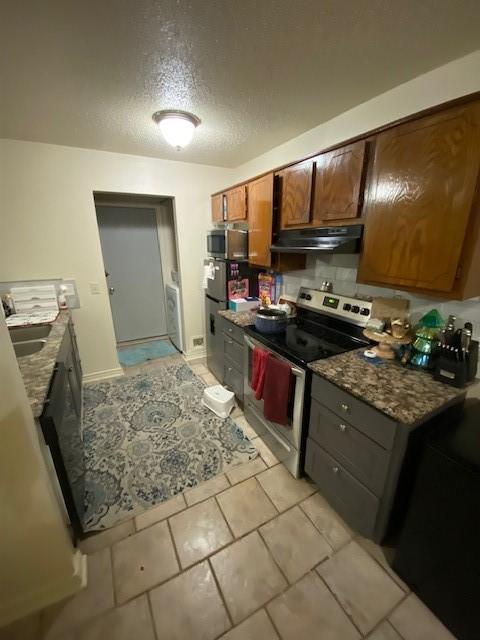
(90, 73)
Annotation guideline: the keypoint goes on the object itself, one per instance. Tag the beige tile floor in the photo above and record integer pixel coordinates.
(250, 555)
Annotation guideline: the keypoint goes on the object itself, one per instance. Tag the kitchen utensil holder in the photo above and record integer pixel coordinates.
(455, 373)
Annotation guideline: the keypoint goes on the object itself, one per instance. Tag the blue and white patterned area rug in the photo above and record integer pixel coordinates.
(148, 437)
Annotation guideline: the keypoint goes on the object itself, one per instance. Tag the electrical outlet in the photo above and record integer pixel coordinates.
(197, 342)
(94, 288)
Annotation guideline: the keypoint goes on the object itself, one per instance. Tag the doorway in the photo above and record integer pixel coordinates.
(138, 244)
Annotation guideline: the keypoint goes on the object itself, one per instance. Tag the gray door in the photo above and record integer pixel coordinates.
(131, 255)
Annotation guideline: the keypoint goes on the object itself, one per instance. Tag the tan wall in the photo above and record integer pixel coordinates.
(38, 563)
(49, 227)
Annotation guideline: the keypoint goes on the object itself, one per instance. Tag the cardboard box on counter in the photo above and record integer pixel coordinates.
(243, 304)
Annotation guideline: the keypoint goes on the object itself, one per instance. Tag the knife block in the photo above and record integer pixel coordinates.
(457, 374)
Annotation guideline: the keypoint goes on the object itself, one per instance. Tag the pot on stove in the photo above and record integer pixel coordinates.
(271, 321)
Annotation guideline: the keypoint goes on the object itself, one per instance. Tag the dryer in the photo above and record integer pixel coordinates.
(174, 315)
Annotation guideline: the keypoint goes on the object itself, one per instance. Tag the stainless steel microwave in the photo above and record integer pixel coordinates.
(230, 244)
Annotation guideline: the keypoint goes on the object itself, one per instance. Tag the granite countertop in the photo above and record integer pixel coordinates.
(37, 368)
(406, 395)
(240, 318)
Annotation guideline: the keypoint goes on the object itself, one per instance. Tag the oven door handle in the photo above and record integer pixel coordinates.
(296, 372)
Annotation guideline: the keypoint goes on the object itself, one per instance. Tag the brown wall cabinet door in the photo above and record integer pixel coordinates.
(217, 208)
(237, 204)
(295, 194)
(339, 183)
(419, 200)
(260, 214)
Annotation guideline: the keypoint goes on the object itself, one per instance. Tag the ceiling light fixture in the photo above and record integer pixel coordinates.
(176, 126)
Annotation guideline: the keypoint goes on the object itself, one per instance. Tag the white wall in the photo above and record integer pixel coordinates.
(457, 78)
(49, 227)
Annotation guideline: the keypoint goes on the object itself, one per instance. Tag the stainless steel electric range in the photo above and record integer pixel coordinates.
(326, 324)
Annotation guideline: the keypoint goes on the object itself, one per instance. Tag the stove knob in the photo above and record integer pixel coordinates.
(355, 308)
(308, 297)
(365, 311)
(347, 306)
(303, 296)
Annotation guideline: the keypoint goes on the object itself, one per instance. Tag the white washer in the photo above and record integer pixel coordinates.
(174, 315)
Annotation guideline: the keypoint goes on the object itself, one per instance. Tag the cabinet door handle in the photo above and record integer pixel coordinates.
(344, 407)
(335, 469)
(230, 341)
(230, 330)
(70, 369)
(342, 427)
(229, 369)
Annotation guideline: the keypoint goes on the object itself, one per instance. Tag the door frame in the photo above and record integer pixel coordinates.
(131, 204)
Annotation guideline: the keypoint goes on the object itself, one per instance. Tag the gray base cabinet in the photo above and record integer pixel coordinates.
(233, 346)
(354, 454)
(61, 424)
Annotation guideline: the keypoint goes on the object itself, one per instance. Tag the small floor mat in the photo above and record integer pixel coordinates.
(138, 353)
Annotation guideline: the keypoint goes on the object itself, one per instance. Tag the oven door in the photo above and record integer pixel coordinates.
(283, 440)
(217, 243)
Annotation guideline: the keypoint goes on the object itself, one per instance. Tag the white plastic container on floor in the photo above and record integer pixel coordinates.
(219, 400)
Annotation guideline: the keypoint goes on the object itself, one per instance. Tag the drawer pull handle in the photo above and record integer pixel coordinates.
(335, 469)
(230, 331)
(342, 427)
(230, 369)
(344, 407)
(230, 341)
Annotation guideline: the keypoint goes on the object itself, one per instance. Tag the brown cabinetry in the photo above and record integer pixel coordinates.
(236, 204)
(339, 183)
(217, 208)
(260, 215)
(295, 194)
(420, 202)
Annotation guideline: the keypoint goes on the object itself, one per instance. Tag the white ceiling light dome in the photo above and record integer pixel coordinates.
(176, 126)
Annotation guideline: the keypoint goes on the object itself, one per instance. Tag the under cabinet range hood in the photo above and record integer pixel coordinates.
(321, 239)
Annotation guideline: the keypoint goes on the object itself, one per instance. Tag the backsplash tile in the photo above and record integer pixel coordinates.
(341, 270)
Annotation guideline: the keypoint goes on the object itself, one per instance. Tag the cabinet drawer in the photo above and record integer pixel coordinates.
(366, 419)
(233, 331)
(233, 378)
(356, 504)
(233, 350)
(365, 459)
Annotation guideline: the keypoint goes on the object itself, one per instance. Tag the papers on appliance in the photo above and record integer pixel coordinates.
(208, 273)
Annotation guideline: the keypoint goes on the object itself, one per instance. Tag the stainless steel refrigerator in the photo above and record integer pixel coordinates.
(216, 298)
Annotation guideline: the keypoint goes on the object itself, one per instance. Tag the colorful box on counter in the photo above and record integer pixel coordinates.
(244, 304)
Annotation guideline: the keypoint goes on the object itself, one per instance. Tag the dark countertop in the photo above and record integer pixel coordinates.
(37, 368)
(240, 318)
(406, 395)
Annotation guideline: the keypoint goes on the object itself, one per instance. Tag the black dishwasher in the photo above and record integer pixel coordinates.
(61, 423)
(439, 552)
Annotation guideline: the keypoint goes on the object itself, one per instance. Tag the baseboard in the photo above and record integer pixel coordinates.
(103, 375)
(195, 354)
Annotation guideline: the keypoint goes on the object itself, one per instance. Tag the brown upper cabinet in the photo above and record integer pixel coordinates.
(421, 229)
(260, 214)
(217, 208)
(295, 194)
(339, 177)
(236, 204)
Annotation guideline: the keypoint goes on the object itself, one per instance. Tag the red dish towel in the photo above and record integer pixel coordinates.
(258, 374)
(276, 390)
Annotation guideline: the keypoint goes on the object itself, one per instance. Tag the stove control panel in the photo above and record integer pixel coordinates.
(353, 310)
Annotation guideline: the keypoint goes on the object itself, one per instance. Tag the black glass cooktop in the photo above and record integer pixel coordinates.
(304, 342)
